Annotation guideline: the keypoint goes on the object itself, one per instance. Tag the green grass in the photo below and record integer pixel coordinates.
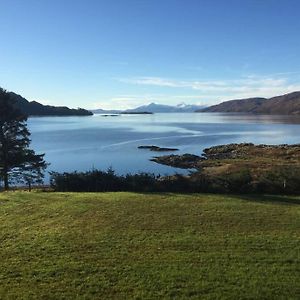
(148, 246)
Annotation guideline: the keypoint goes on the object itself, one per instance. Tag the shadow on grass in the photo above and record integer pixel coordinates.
(278, 199)
(167, 194)
(259, 198)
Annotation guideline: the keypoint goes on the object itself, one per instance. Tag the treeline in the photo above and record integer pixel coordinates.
(109, 181)
(278, 180)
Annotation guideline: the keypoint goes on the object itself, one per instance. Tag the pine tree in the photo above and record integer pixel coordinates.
(17, 161)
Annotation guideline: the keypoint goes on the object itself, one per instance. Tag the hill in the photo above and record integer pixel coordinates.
(105, 111)
(148, 246)
(162, 108)
(288, 104)
(155, 108)
(34, 108)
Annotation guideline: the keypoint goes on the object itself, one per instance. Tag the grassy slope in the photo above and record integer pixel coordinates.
(126, 245)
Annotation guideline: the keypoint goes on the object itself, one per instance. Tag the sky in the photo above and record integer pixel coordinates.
(124, 53)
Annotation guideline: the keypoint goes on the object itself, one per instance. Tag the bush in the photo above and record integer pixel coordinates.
(279, 179)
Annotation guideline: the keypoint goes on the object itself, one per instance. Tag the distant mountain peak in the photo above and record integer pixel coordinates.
(156, 108)
(182, 104)
(164, 108)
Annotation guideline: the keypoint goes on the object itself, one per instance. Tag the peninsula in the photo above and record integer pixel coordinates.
(33, 108)
(288, 104)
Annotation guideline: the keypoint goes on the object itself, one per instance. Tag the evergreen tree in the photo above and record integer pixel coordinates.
(17, 162)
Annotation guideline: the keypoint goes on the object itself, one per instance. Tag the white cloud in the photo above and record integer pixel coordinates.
(203, 92)
(250, 86)
(132, 101)
(121, 102)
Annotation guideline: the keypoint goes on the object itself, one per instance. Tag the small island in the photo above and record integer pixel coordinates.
(157, 149)
(137, 113)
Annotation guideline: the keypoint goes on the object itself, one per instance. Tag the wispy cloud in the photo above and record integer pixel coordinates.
(132, 101)
(122, 102)
(250, 86)
(203, 92)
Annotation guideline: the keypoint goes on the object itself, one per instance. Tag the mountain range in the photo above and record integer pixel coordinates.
(288, 104)
(156, 108)
(34, 108)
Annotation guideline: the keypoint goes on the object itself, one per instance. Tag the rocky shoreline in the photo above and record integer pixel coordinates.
(184, 161)
(233, 153)
(238, 168)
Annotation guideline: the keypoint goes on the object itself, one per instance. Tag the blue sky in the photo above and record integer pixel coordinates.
(124, 53)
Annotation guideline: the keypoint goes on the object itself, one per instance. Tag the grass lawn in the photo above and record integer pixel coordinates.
(148, 246)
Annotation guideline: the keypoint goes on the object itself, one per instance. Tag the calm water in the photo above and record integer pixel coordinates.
(82, 143)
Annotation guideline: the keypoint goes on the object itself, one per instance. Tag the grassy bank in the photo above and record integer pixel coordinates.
(148, 246)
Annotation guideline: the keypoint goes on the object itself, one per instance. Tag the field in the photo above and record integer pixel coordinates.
(148, 246)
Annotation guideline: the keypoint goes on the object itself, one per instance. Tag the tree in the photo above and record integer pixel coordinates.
(17, 161)
(31, 170)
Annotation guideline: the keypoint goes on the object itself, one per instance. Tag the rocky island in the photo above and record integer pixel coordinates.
(158, 149)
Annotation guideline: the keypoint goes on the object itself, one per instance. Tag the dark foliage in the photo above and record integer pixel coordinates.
(18, 163)
(102, 181)
(280, 179)
(276, 181)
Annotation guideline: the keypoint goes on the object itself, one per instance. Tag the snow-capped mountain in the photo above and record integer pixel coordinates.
(156, 108)
(162, 108)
